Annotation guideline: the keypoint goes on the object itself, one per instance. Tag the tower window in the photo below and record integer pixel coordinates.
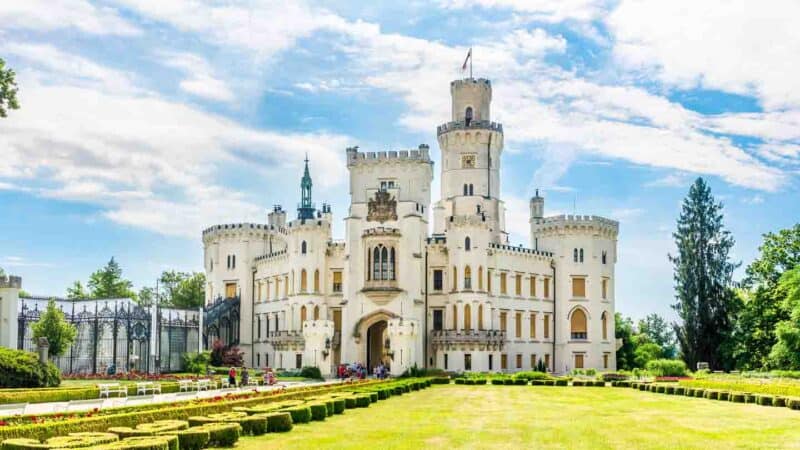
(581, 253)
(468, 115)
(604, 256)
(466, 190)
(383, 263)
(470, 189)
(467, 243)
(575, 255)
(303, 248)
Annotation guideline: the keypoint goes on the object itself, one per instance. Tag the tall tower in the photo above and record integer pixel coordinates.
(471, 146)
(306, 208)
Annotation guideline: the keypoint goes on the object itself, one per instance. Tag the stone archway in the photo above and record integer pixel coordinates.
(376, 338)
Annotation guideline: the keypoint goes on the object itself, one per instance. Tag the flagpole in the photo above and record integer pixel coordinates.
(470, 62)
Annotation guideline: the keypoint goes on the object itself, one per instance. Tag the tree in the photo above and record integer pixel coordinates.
(646, 352)
(52, 325)
(658, 331)
(785, 353)
(8, 90)
(706, 304)
(77, 291)
(2, 272)
(183, 290)
(108, 283)
(146, 296)
(623, 329)
(763, 307)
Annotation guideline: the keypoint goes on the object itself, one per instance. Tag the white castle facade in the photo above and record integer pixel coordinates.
(460, 299)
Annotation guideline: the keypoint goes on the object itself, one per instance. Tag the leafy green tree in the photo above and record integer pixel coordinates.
(763, 307)
(785, 353)
(659, 332)
(53, 325)
(2, 272)
(77, 291)
(703, 273)
(146, 296)
(646, 352)
(8, 89)
(183, 290)
(623, 329)
(108, 283)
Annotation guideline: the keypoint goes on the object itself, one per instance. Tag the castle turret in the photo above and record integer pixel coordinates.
(306, 209)
(277, 217)
(537, 206)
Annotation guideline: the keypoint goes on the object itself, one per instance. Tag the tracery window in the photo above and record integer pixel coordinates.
(383, 263)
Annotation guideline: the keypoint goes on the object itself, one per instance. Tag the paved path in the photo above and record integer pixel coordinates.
(134, 400)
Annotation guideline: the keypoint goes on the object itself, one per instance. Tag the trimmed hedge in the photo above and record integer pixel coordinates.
(440, 380)
(362, 401)
(669, 390)
(279, 422)
(22, 369)
(497, 381)
(779, 401)
(765, 400)
(192, 439)
(737, 397)
(300, 414)
(350, 402)
(143, 443)
(338, 405)
(793, 403)
(150, 429)
(724, 396)
(699, 393)
(72, 440)
(318, 411)
(222, 434)
(712, 395)
(560, 382)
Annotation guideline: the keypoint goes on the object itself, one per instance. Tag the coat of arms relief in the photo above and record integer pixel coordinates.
(382, 208)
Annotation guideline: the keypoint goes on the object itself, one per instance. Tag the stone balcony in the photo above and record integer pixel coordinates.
(476, 339)
(286, 340)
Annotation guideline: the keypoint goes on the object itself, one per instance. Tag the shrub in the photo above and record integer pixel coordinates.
(142, 443)
(778, 401)
(362, 401)
(661, 389)
(318, 411)
(508, 381)
(533, 375)
(666, 367)
(558, 382)
(339, 405)
(642, 386)
(784, 388)
(765, 400)
(191, 439)
(670, 390)
(750, 398)
(497, 381)
(577, 383)
(699, 393)
(737, 397)
(397, 390)
(793, 403)
(279, 422)
(373, 397)
(72, 440)
(679, 390)
(440, 380)
(329, 407)
(222, 434)
(23, 369)
(300, 414)
(520, 381)
(614, 376)
(311, 372)
(712, 395)
(350, 402)
(724, 396)
(480, 381)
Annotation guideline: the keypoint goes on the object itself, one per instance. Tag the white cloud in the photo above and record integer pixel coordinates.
(545, 10)
(200, 80)
(743, 47)
(49, 15)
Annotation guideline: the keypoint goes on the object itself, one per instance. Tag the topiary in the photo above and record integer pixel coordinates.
(329, 407)
(778, 401)
(497, 381)
(191, 439)
(339, 405)
(661, 389)
(765, 400)
(142, 443)
(750, 398)
(222, 434)
(300, 414)
(712, 395)
(680, 390)
(480, 381)
(508, 381)
(279, 422)
(397, 390)
(160, 426)
(373, 397)
(793, 403)
(350, 402)
(362, 401)
(669, 390)
(738, 397)
(318, 411)
(724, 396)
(699, 393)
(461, 381)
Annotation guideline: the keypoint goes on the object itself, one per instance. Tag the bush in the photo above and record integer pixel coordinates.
(560, 382)
(329, 407)
(440, 380)
(765, 400)
(577, 383)
(339, 405)
(778, 401)
(508, 381)
(350, 402)
(318, 411)
(142, 443)
(300, 414)
(661, 389)
(150, 429)
(22, 369)
(533, 375)
(750, 398)
(699, 393)
(497, 381)
(724, 396)
(480, 381)
(191, 439)
(667, 367)
(222, 434)
(737, 397)
(311, 372)
(793, 403)
(712, 395)
(614, 376)
(461, 381)
(279, 422)
(669, 390)
(73, 440)
(520, 381)
(362, 401)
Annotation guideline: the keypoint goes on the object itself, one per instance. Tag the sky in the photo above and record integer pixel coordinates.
(143, 122)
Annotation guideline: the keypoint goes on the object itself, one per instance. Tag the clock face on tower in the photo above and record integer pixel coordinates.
(467, 161)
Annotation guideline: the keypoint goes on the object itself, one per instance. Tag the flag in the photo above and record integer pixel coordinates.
(469, 55)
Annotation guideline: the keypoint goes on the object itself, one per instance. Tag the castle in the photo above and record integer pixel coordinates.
(459, 299)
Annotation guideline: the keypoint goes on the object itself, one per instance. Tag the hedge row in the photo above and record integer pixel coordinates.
(714, 394)
(68, 393)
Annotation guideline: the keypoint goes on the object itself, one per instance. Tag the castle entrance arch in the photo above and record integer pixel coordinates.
(376, 341)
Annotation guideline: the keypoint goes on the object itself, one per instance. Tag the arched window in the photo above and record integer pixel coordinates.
(575, 255)
(384, 263)
(603, 257)
(303, 247)
(229, 261)
(294, 280)
(316, 313)
(286, 285)
(467, 318)
(581, 255)
(467, 243)
(455, 278)
(466, 190)
(391, 264)
(470, 189)
(376, 263)
(455, 317)
(480, 278)
(302, 315)
(578, 324)
(233, 261)
(467, 278)
(316, 280)
(468, 115)
(480, 316)
(303, 280)
(604, 325)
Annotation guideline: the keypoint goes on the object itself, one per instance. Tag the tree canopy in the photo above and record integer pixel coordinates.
(8, 89)
(53, 325)
(182, 289)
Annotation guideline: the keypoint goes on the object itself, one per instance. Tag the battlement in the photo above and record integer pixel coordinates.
(519, 249)
(472, 125)
(478, 82)
(10, 282)
(354, 157)
(308, 224)
(239, 227)
(576, 222)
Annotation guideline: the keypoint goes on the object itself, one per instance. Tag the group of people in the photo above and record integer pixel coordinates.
(269, 377)
(359, 371)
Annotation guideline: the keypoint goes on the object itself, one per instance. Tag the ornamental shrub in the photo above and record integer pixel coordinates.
(724, 396)
(311, 372)
(397, 390)
(661, 389)
(373, 397)
(750, 398)
(480, 381)
(19, 369)
(362, 401)
(329, 407)
(666, 367)
(461, 381)
(765, 400)
(440, 380)
(559, 382)
(222, 434)
(669, 390)
(76, 440)
(778, 401)
(533, 375)
(300, 414)
(737, 397)
(642, 386)
(142, 443)
(699, 393)
(497, 381)
(279, 422)
(191, 439)
(338, 405)
(679, 390)
(520, 381)
(577, 382)
(350, 402)
(712, 395)
(508, 381)
(614, 376)
(318, 411)
(793, 403)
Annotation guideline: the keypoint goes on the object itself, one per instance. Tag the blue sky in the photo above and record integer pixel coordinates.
(144, 122)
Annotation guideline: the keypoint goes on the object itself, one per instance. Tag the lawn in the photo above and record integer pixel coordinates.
(455, 416)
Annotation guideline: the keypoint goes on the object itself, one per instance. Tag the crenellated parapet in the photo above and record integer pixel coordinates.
(10, 282)
(234, 230)
(471, 125)
(575, 224)
(519, 251)
(357, 158)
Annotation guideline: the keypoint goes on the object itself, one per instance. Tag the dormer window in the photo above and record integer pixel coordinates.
(468, 115)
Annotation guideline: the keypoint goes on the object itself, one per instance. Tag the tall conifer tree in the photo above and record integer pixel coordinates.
(703, 274)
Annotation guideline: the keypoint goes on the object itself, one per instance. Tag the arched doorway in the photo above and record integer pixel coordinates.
(376, 340)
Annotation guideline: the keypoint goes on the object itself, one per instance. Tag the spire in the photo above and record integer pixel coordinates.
(306, 208)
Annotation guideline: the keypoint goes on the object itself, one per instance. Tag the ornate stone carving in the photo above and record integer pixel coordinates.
(382, 208)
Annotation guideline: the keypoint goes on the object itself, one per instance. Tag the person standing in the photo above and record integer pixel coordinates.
(232, 377)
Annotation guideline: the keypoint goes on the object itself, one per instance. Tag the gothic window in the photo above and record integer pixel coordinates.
(466, 190)
(467, 318)
(303, 248)
(316, 313)
(470, 189)
(437, 280)
(303, 314)
(581, 253)
(467, 278)
(575, 255)
(303, 280)
(480, 278)
(391, 275)
(455, 279)
(604, 325)
(467, 243)
(376, 263)
(455, 317)
(578, 324)
(383, 263)
(480, 316)
(603, 257)
(316, 280)
(468, 115)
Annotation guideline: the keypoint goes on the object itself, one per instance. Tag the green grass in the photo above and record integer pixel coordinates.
(457, 416)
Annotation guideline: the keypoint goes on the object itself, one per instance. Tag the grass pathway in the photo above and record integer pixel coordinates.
(495, 417)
